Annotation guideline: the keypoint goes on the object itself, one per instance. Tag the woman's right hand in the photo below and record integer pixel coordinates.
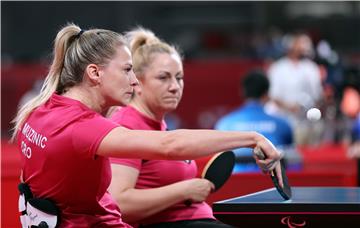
(197, 189)
(272, 157)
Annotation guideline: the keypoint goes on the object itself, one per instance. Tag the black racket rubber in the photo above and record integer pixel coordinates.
(286, 191)
(224, 174)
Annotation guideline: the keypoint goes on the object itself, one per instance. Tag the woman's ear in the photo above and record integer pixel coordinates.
(92, 70)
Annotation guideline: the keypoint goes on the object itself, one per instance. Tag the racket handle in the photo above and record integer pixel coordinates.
(188, 203)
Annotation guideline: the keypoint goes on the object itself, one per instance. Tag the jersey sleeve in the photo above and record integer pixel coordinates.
(88, 133)
(134, 163)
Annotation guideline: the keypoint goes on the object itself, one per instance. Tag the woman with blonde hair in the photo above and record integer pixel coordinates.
(65, 141)
(151, 193)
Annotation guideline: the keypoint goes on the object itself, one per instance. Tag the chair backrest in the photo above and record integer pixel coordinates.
(36, 212)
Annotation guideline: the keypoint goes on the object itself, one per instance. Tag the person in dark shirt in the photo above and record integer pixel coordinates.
(252, 117)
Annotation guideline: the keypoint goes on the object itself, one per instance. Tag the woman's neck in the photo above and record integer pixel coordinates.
(88, 97)
(145, 110)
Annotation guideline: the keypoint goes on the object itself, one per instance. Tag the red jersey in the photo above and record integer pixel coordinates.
(58, 142)
(158, 173)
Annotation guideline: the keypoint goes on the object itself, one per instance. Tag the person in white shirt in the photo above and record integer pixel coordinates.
(295, 82)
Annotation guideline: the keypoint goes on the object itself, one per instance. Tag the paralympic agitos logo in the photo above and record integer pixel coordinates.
(287, 221)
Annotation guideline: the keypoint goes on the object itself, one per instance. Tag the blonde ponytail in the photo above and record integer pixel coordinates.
(52, 79)
(139, 37)
(73, 50)
(144, 43)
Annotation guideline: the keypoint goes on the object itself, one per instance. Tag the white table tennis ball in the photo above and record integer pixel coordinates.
(313, 114)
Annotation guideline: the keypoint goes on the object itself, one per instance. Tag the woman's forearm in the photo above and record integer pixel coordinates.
(175, 145)
(204, 142)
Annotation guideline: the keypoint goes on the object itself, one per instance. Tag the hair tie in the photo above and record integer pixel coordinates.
(79, 34)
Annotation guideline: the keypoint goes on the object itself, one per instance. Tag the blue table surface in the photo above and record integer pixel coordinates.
(301, 195)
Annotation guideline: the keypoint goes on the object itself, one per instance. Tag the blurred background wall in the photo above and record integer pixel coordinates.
(232, 28)
(211, 35)
(28, 28)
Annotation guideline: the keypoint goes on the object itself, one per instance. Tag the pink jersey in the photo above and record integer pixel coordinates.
(158, 173)
(58, 143)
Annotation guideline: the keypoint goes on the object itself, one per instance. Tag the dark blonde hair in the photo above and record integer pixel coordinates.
(143, 44)
(74, 49)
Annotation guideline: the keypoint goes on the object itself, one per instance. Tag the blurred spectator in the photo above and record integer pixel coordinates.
(269, 46)
(296, 87)
(350, 106)
(330, 63)
(350, 103)
(252, 117)
(335, 125)
(354, 148)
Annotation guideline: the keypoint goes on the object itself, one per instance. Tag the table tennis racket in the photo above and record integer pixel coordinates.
(218, 170)
(285, 192)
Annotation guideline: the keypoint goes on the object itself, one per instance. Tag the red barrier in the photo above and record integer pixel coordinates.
(212, 89)
(16, 79)
(10, 172)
